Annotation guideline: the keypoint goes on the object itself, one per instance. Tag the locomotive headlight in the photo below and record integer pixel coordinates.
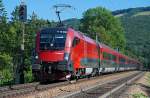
(36, 57)
(66, 56)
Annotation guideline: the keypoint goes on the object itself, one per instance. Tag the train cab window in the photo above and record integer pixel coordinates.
(52, 39)
(75, 41)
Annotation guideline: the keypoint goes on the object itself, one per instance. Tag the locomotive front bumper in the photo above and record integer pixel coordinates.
(54, 71)
(62, 65)
(36, 66)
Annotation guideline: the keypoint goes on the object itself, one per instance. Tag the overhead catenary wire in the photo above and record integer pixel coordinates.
(59, 8)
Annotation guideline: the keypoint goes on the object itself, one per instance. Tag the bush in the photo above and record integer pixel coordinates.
(5, 61)
(6, 69)
(28, 75)
(6, 76)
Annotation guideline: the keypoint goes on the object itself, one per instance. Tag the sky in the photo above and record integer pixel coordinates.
(44, 8)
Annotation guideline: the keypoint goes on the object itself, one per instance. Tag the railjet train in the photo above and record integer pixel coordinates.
(63, 53)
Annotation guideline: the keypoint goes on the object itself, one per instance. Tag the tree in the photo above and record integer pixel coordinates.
(2, 23)
(3, 13)
(100, 21)
(11, 39)
(6, 66)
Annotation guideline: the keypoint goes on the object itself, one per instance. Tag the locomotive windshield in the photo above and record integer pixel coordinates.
(52, 39)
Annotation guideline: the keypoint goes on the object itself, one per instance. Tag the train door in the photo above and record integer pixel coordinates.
(87, 70)
(75, 54)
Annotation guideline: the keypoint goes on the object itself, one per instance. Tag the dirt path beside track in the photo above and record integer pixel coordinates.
(139, 89)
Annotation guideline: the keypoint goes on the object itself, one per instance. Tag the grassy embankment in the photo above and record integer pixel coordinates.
(141, 95)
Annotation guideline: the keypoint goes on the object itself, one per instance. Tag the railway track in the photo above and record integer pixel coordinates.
(107, 89)
(22, 89)
(30, 88)
(14, 90)
(18, 86)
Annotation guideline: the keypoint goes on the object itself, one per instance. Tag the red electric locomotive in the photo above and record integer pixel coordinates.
(64, 53)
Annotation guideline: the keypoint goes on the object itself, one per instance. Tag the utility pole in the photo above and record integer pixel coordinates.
(22, 56)
(20, 69)
(96, 37)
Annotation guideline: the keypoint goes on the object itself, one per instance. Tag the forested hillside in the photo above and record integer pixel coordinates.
(73, 22)
(136, 23)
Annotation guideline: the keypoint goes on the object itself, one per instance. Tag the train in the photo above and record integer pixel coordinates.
(64, 53)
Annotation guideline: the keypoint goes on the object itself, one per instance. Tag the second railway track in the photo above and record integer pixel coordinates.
(105, 90)
(31, 89)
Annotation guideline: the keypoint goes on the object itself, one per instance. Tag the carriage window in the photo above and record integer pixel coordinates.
(106, 56)
(109, 56)
(122, 60)
(113, 57)
(75, 41)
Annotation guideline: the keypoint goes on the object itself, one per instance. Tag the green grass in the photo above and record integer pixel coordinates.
(142, 13)
(119, 15)
(139, 95)
(148, 76)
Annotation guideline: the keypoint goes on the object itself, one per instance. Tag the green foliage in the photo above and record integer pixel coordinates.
(28, 75)
(6, 65)
(6, 76)
(139, 95)
(3, 23)
(6, 69)
(100, 21)
(5, 61)
(11, 39)
(131, 10)
(74, 23)
(3, 13)
(137, 32)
